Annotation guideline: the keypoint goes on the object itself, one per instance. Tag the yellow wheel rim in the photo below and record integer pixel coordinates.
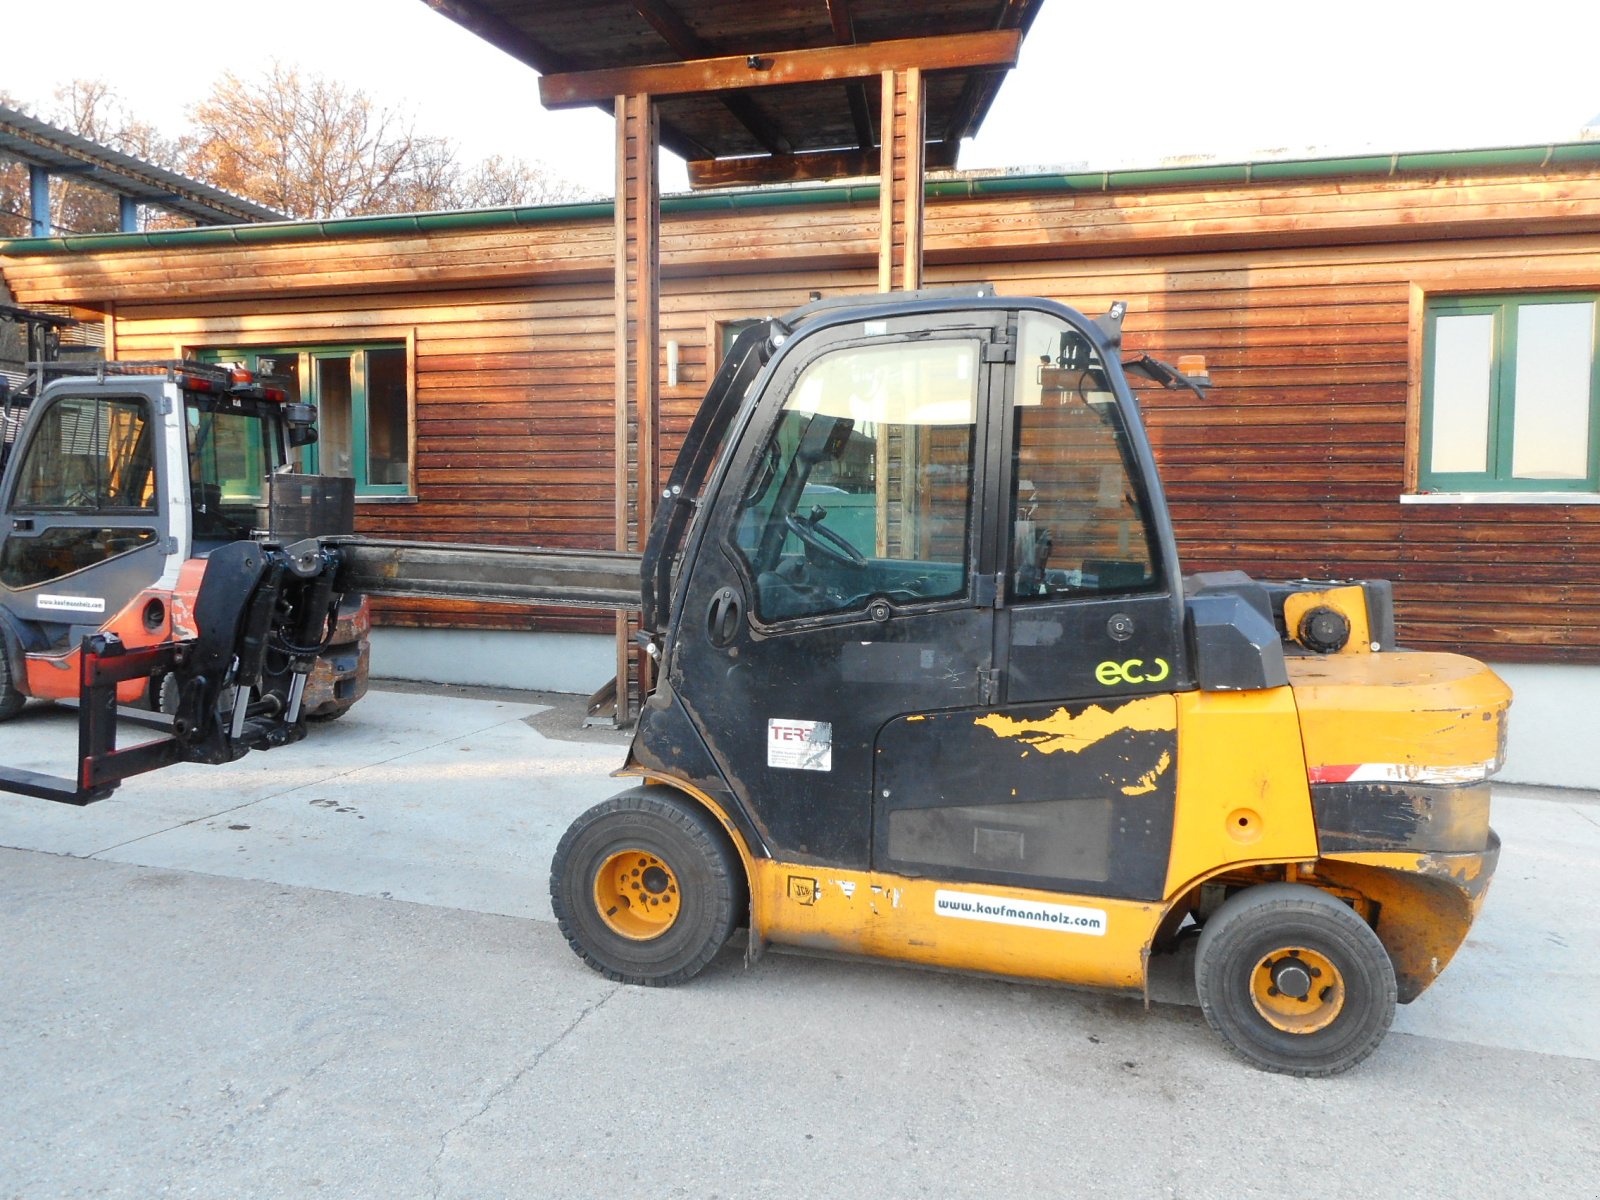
(636, 895)
(1297, 990)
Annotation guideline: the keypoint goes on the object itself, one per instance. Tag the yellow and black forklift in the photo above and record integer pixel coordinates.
(931, 686)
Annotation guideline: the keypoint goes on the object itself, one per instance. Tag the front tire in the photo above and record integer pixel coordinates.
(11, 700)
(1294, 980)
(646, 888)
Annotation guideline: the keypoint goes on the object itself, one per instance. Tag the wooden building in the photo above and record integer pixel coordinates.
(1403, 349)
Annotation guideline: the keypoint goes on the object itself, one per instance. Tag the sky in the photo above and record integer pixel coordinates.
(1099, 85)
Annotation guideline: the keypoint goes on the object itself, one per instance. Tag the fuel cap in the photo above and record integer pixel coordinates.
(1324, 630)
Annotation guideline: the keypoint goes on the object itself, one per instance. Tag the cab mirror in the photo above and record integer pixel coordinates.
(302, 422)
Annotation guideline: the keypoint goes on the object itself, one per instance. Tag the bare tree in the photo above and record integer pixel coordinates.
(13, 184)
(499, 182)
(312, 148)
(302, 144)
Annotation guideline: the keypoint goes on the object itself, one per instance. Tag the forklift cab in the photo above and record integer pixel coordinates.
(114, 483)
(923, 516)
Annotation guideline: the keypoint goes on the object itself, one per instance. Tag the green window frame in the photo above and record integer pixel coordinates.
(313, 370)
(1510, 403)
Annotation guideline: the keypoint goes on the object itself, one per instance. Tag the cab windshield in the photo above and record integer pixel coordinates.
(231, 451)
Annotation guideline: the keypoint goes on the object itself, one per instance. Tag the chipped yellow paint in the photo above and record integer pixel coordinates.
(1063, 732)
(1147, 782)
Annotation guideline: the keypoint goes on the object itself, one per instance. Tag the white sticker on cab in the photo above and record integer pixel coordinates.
(84, 604)
(799, 745)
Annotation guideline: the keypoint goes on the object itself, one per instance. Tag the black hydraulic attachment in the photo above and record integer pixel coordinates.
(264, 613)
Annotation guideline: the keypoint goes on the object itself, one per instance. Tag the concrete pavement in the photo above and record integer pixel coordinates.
(331, 971)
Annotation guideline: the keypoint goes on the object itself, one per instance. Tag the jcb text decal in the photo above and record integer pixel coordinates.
(1134, 670)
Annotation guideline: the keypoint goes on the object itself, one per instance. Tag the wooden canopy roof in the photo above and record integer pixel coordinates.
(774, 90)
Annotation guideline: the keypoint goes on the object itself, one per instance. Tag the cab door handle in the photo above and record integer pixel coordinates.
(723, 617)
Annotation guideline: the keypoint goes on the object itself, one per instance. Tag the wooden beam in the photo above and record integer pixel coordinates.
(979, 90)
(995, 48)
(844, 32)
(501, 34)
(900, 188)
(686, 44)
(504, 36)
(844, 25)
(811, 165)
(636, 350)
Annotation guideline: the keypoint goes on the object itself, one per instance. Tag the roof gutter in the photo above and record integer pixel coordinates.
(1557, 154)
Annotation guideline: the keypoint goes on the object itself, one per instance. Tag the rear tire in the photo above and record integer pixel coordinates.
(1294, 980)
(646, 888)
(11, 700)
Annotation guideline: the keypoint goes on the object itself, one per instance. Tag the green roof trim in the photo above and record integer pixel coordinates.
(1558, 154)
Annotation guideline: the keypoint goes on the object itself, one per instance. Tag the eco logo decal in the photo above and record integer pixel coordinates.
(1111, 672)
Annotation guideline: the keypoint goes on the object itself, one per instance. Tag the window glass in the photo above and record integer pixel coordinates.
(27, 561)
(89, 453)
(362, 398)
(729, 331)
(229, 458)
(1077, 523)
(335, 441)
(1555, 353)
(865, 487)
(1511, 389)
(388, 437)
(1463, 353)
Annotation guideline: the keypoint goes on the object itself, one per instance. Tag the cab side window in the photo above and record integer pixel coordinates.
(1078, 523)
(89, 454)
(864, 488)
(89, 470)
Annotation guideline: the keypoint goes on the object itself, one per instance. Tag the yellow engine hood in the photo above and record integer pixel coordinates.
(1406, 716)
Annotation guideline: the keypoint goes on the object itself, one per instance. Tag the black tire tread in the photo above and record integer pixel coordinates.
(715, 853)
(11, 699)
(1306, 913)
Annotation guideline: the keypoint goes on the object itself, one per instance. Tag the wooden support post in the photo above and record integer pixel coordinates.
(637, 353)
(901, 181)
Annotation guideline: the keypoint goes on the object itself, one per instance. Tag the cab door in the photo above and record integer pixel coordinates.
(838, 587)
(1068, 782)
(83, 532)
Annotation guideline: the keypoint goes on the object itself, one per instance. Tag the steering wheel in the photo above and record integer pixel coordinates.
(826, 542)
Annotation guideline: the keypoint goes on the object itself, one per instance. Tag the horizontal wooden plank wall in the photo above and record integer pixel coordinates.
(1300, 296)
(1295, 465)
